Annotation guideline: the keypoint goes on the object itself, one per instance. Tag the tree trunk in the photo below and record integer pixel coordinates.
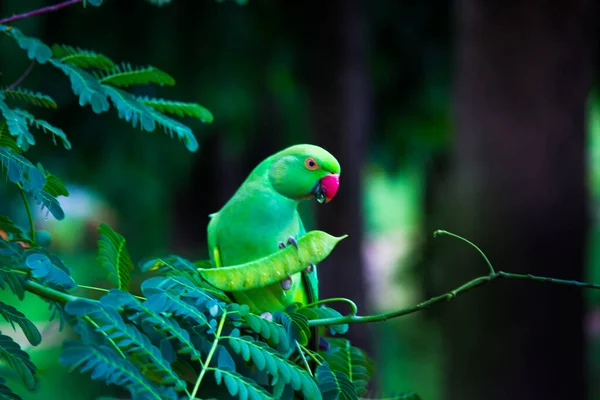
(518, 189)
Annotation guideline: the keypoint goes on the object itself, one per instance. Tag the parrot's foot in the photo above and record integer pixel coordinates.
(281, 245)
(286, 284)
(293, 242)
(310, 267)
(267, 315)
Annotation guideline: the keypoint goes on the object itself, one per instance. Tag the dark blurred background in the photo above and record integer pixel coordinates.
(474, 116)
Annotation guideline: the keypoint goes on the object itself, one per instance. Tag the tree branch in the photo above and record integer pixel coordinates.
(39, 11)
(479, 281)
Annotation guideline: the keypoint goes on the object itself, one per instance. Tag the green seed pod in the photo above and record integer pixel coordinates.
(313, 247)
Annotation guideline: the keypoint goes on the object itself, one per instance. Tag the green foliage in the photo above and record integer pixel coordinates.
(17, 359)
(178, 108)
(350, 361)
(184, 336)
(114, 257)
(125, 75)
(30, 97)
(12, 315)
(82, 58)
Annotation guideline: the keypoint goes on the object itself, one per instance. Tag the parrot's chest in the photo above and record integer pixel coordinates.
(256, 234)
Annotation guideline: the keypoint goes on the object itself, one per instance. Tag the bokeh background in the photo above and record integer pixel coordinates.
(475, 116)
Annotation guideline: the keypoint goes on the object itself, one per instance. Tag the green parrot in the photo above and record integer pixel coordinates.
(262, 217)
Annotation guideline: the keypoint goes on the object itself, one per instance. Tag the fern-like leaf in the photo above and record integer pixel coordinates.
(178, 108)
(135, 112)
(125, 75)
(351, 361)
(334, 385)
(128, 339)
(17, 125)
(296, 326)
(17, 359)
(240, 386)
(166, 302)
(143, 315)
(6, 140)
(11, 269)
(21, 171)
(30, 97)
(45, 127)
(54, 185)
(6, 393)
(203, 296)
(114, 257)
(105, 364)
(267, 359)
(84, 85)
(49, 270)
(272, 332)
(82, 58)
(36, 50)
(12, 315)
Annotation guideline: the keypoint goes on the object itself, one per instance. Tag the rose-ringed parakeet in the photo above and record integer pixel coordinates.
(262, 217)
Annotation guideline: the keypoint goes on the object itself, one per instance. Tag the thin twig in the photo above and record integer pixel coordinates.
(210, 355)
(29, 216)
(23, 76)
(472, 284)
(98, 289)
(39, 11)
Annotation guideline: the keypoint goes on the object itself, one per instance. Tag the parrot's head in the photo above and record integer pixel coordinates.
(304, 171)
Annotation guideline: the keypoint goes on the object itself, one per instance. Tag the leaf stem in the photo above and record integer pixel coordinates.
(303, 358)
(106, 291)
(39, 11)
(335, 299)
(472, 284)
(100, 331)
(48, 293)
(210, 355)
(29, 215)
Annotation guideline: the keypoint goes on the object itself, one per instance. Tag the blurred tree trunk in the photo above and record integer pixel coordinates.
(334, 68)
(517, 188)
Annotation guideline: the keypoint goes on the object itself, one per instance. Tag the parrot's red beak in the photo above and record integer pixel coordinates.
(329, 186)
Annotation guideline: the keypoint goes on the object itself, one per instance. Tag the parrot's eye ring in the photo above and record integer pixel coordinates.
(311, 163)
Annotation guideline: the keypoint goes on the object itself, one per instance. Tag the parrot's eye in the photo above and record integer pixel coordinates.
(311, 163)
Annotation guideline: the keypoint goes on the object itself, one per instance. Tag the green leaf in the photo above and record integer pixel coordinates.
(82, 58)
(114, 257)
(240, 386)
(21, 171)
(178, 108)
(12, 315)
(105, 364)
(30, 97)
(129, 339)
(45, 127)
(12, 269)
(133, 111)
(296, 326)
(84, 85)
(125, 75)
(6, 393)
(351, 361)
(54, 185)
(17, 359)
(334, 385)
(9, 227)
(267, 359)
(6, 140)
(272, 332)
(36, 50)
(17, 125)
